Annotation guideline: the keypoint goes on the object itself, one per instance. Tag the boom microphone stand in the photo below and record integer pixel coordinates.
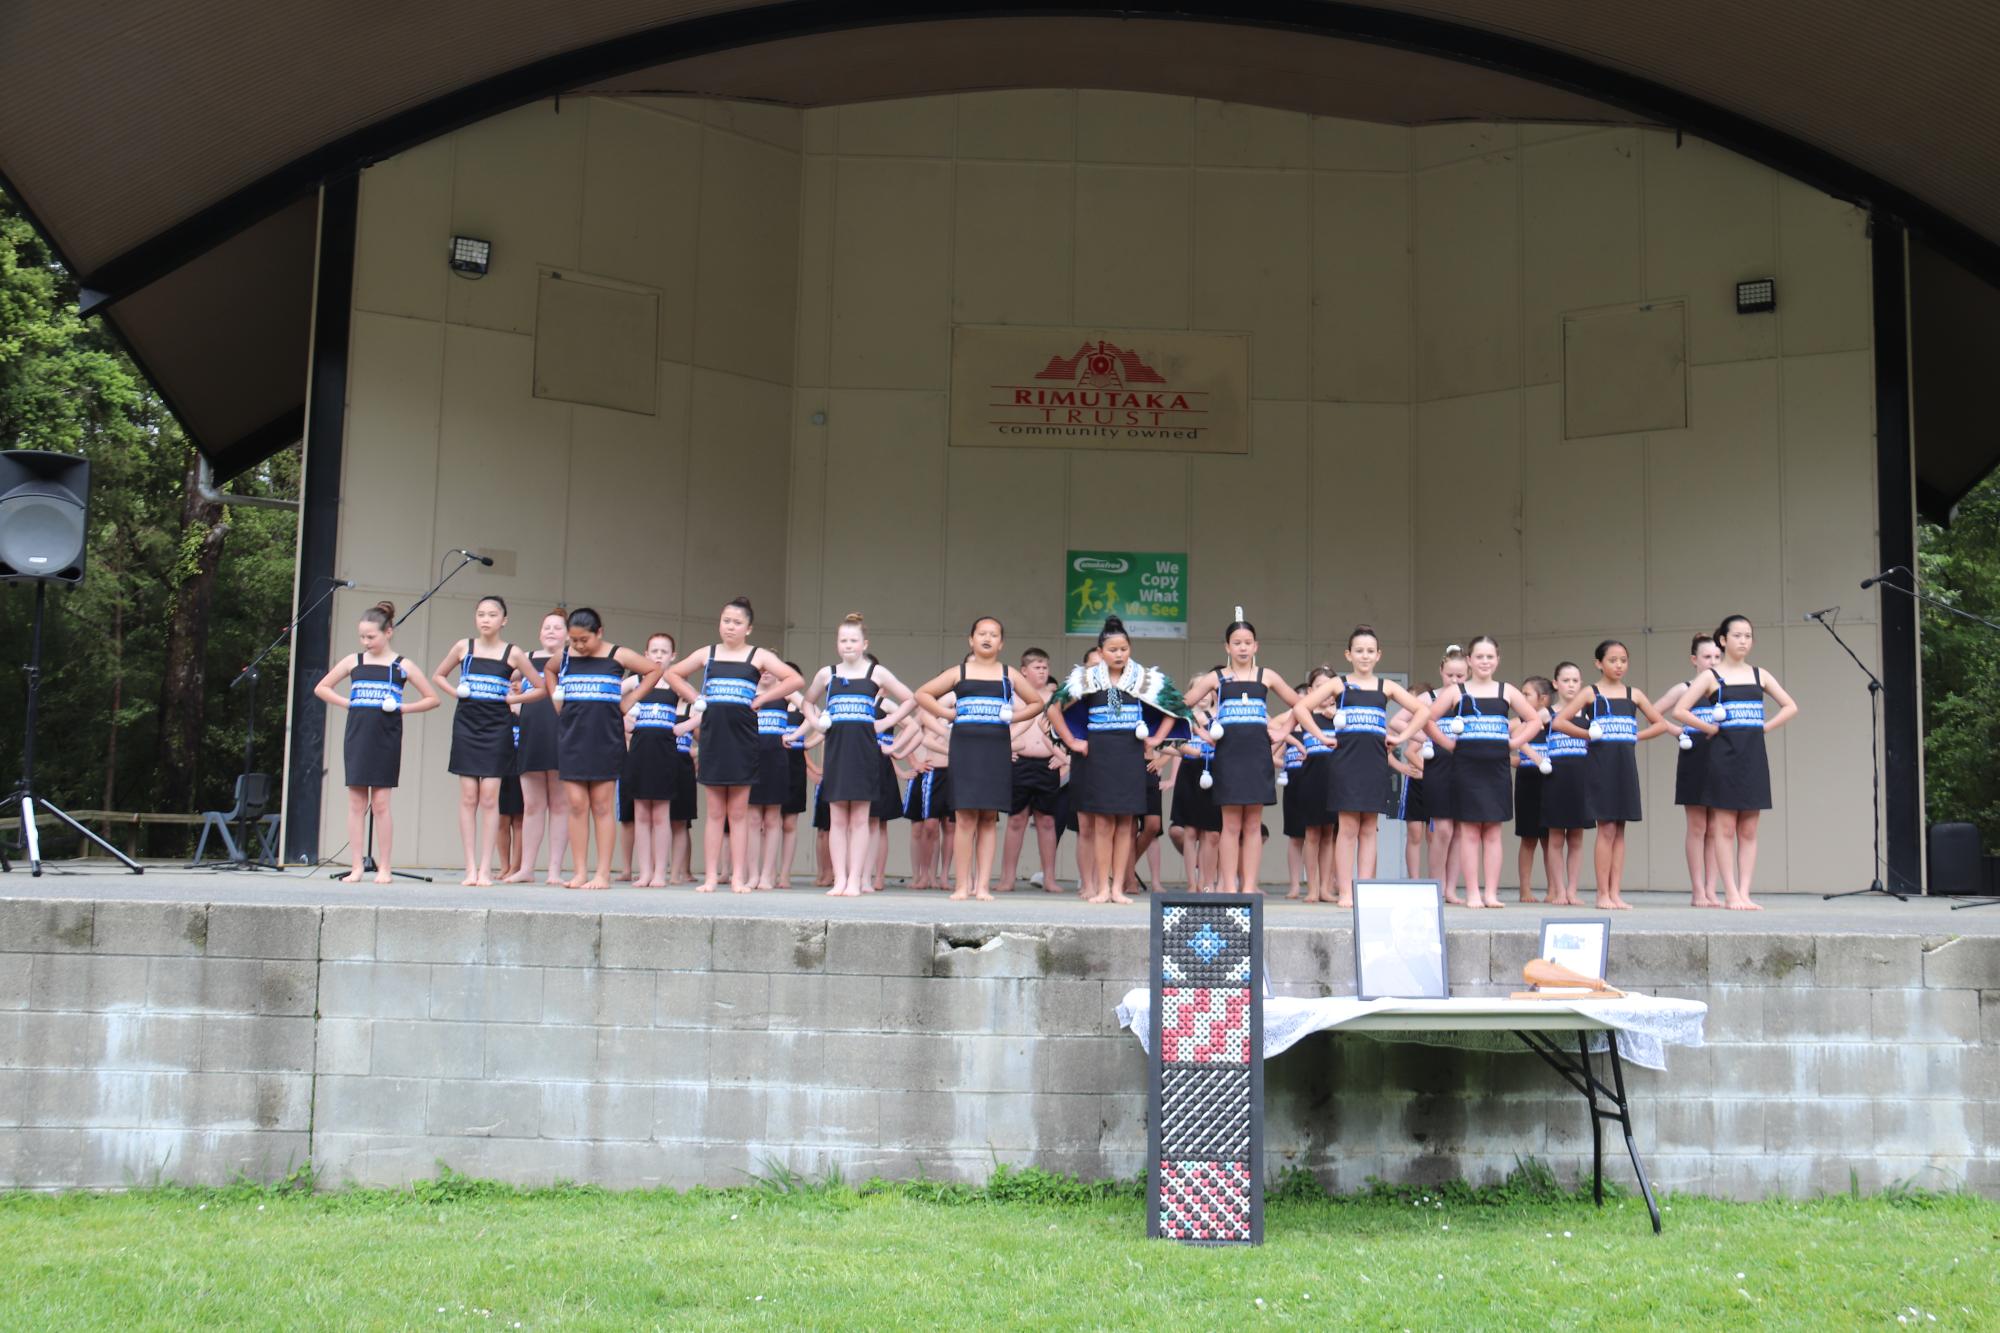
(1915, 594)
(24, 795)
(368, 853)
(1874, 750)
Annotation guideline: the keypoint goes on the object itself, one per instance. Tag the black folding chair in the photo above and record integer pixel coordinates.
(253, 793)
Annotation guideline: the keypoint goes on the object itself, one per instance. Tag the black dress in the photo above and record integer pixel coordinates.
(683, 810)
(728, 723)
(1614, 759)
(795, 767)
(512, 803)
(1739, 769)
(653, 765)
(1440, 797)
(1361, 753)
(1566, 790)
(851, 761)
(1243, 772)
(1482, 785)
(928, 796)
(774, 766)
(1111, 779)
(888, 803)
(373, 745)
(1314, 779)
(1691, 764)
(590, 732)
(1195, 808)
(1529, 787)
(982, 744)
(1291, 814)
(536, 752)
(482, 726)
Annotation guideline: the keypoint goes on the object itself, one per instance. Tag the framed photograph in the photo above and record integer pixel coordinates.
(1399, 940)
(1581, 945)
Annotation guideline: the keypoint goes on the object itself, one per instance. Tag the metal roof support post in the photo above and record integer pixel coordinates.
(1896, 526)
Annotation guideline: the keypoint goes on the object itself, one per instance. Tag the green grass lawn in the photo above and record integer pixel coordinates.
(1027, 1252)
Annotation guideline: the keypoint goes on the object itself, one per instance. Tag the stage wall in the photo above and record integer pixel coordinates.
(1404, 292)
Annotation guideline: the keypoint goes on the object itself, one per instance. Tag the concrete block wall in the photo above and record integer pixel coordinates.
(148, 1042)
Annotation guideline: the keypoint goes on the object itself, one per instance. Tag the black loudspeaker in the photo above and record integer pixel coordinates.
(43, 497)
(1955, 863)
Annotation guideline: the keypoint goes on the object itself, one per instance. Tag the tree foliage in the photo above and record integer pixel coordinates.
(67, 386)
(1961, 565)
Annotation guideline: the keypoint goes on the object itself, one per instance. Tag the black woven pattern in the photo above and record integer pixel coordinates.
(1205, 1112)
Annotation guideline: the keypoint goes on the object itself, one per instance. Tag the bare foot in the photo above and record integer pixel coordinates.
(482, 883)
(1453, 902)
(656, 882)
(353, 876)
(706, 886)
(1344, 902)
(519, 877)
(1472, 900)
(597, 882)
(1295, 893)
(555, 880)
(982, 895)
(1529, 898)
(959, 895)
(1746, 906)
(1493, 900)
(469, 881)
(1119, 896)
(383, 876)
(1050, 886)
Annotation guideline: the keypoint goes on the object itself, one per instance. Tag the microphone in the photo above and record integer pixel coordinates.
(482, 559)
(343, 583)
(1874, 579)
(1821, 614)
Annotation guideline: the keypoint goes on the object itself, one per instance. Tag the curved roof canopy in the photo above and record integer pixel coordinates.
(171, 150)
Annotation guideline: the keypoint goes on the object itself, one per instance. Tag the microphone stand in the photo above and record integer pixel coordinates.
(1926, 599)
(368, 865)
(248, 675)
(1874, 765)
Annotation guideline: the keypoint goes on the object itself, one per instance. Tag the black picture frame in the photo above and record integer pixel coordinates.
(1597, 925)
(1409, 974)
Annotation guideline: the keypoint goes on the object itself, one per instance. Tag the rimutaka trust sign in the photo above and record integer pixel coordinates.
(1146, 589)
(1072, 388)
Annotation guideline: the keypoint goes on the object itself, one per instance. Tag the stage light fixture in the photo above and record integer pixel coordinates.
(470, 256)
(1757, 296)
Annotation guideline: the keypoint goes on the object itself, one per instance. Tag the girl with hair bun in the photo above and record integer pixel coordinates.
(1736, 787)
(1612, 764)
(542, 797)
(373, 745)
(589, 697)
(1102, 713)
(846, 693)
(727, 703)
(1471, 724)
(1244, 734)
(482, 727)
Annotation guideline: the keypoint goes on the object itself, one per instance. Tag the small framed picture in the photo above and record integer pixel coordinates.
(1581, 946)
(1399, 939)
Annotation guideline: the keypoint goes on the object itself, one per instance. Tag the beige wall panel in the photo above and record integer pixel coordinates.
(1003, 542)
(1359, 145)
(1252, 555)
(1583, 563)
(1823, 272)
(1361, 287)
(1134, 230)
(1468, 558)
(739, 447)
(914, 127)
(778, 126)
(1033, 124)
(405, 233)
(1436, 145)
(913, 658)
(815, 299)
(389, 464)
(1253, 271)
(1819, 761)
(1711, 221)
(628, 502)
(747, 286)
(892, 275)
(1711, 527)
(885, 500)
(1231, 134)
(1532, 134)
(1134, 127)
(1829, 481)
(517, 182)
(1121, 503)
(1468, 278)
(1580, 205)
(503, 459)
(819, 129)
(1011, 257)
(641, 186)
(807, 503)
(1358, 514)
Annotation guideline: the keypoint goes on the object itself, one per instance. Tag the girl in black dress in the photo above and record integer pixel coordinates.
(1306, 800)
(1244, 734)
(1737, 785)
(1608, 717)
(727, 701)
(1471, 725)
(1530, 783)
(1565, 794)
(989, 697)
(590, 736)
(482, 727)
(542, 797)
(1196, 826)
(653, 765)
(1440, 801)
(1358, 782)
(851, 757)
(373, 745)
(773, 785)
(1690, 775)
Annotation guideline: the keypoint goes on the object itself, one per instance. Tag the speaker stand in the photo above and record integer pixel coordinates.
(23, 794)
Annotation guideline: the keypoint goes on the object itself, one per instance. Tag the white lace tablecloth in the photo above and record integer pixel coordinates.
(1646, 1025)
